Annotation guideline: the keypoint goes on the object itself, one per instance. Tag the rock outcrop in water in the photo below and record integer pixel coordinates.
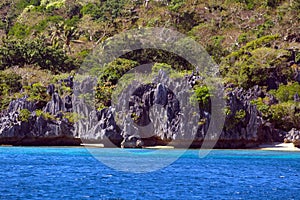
(148, 106)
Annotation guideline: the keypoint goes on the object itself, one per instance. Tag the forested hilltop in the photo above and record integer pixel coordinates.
(256, 43)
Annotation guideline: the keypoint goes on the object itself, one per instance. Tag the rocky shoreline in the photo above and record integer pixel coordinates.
(100, 127)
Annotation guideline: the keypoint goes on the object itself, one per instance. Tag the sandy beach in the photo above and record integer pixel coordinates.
(279, 147)
(159, 147)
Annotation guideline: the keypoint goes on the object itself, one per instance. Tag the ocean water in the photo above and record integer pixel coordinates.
(73, 173)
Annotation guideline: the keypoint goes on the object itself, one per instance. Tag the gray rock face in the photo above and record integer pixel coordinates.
(19, 104)
(153, 114)
(140, 108)
(293, 136)
(95, 126)
(296, 97)
(55, 105)
(37, 130)
(244, 126)
(102, 127)
(160, 95)
(244, 120)
(11, 126)
(50, 89)
(297, 76)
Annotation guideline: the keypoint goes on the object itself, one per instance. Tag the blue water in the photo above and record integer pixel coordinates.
(72, 173)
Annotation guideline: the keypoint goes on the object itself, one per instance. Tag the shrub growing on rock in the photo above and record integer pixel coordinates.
(108, 78)
(24, 115)
(286, 92)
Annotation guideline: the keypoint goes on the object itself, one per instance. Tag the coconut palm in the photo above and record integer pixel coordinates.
(65, 34)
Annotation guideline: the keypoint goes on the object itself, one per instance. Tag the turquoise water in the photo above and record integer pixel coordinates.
(72, 173)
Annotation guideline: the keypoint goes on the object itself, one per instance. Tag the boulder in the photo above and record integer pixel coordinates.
(293, 136)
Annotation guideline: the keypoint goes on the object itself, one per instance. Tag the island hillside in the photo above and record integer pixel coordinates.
(255, 44)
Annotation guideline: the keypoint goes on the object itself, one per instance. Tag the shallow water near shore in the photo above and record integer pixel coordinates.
(73, 173)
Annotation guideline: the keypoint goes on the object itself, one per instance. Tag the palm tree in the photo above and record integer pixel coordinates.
(55, 33)
(64, 34)
(68, 37)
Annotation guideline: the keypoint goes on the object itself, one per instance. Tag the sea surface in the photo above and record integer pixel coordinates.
(73, 173)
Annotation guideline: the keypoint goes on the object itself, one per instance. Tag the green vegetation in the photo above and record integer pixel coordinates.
(250, 65)
(45, 115)
(24, 115)
(10, 84)
(72, 117)
(44, 24)
(52, 4)
(36, 92)
(285, 114)
(161, 66)
(240, 114)
(34, 52)
(215, 49)
(262, 106)
(20, 31)
(202, 95)
(113, 11)
(113, 71)
(108, 78)
(21, 4)
(286, 93)
(234, 118)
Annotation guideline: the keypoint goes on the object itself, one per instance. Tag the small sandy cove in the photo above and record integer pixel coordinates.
(279, 147)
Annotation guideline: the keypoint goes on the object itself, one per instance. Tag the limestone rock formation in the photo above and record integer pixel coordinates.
(153, 114)
(37, 129)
